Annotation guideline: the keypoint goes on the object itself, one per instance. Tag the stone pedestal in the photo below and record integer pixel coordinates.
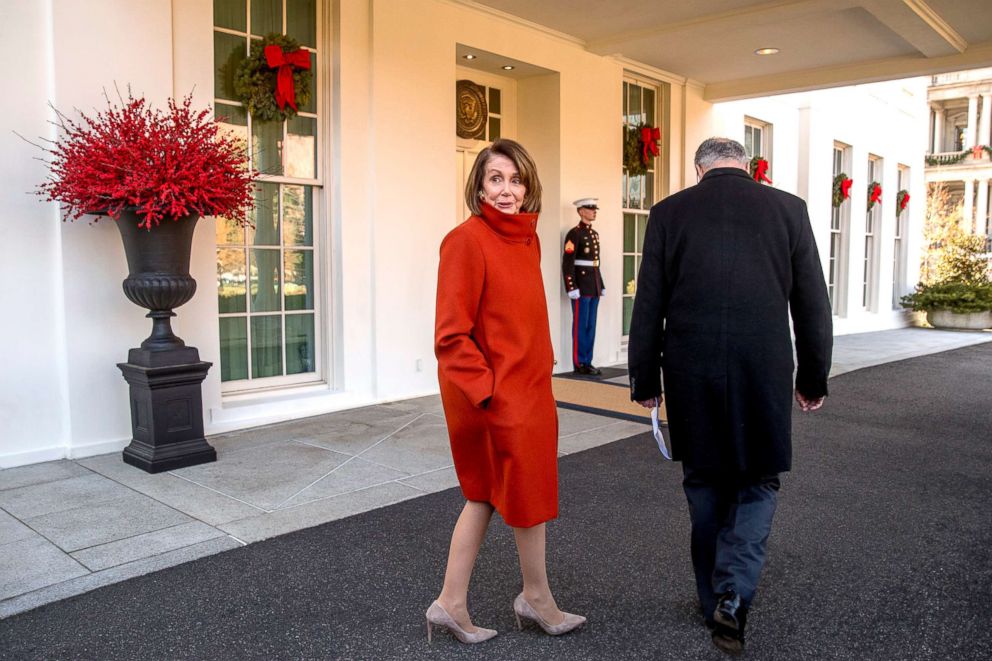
(166, 409)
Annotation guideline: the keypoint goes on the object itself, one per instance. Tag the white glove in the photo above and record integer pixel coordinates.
(574, 294)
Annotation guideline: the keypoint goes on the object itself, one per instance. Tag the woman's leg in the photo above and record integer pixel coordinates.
(466, 540)
(531, 544)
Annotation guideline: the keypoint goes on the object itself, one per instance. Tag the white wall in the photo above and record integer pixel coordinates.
(888, 120)
(34, 411)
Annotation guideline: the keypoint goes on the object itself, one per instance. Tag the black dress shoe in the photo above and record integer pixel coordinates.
(728, 641)
(728, 610)
(594, 371)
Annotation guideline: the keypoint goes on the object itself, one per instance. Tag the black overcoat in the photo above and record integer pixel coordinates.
(724, 262)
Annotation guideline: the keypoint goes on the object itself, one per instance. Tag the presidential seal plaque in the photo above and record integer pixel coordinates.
(471, 110)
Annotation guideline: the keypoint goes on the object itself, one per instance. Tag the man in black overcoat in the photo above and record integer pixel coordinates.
(724, 264)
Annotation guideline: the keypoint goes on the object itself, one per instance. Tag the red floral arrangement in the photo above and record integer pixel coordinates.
(166, 165)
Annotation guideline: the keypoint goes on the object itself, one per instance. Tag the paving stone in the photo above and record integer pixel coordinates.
(433, 481)
(266, 476)
(100, 523)
(150, 544)
(50, 471)
(91, 581)
(197, 501)
(417, 448)
(12, 530)
(592, 438)
(353, 437)
(49, 497)
(317, 512)
(351, 476)
(33, 563)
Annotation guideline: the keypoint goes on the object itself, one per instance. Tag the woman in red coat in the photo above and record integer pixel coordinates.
(493, 346)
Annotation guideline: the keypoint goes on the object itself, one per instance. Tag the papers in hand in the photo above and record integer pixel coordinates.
(663, 443)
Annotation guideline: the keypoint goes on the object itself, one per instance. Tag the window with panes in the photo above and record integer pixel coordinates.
(872, 227)
(757, 139)
(899, 240)
(268, 274)
(640, 107)
(838, 222)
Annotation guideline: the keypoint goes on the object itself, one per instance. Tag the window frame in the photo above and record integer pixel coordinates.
(321, 310)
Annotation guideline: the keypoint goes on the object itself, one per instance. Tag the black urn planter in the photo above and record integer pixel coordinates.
(164, 374)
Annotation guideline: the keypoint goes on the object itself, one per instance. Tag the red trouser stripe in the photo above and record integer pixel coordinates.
(575, 333)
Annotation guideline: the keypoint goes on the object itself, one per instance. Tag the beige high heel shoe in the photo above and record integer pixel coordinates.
(522, 609)
(437, 615)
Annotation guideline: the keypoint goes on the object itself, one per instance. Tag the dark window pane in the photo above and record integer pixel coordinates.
(266, 147)
(229, 51)
(266, 229)
(231, 286)
(266, 346)
(300, 345)
(231, 14)
(628, 312)
(264, 273)
(301, 21)
(311, 105)
(494, 129)
(495, 101)
(298, 280)
(629, 275)
(629, 232)
(233, 348)
(266, 16)
(297, 215)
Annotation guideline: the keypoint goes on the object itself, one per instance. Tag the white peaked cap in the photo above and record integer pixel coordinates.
(587, 202)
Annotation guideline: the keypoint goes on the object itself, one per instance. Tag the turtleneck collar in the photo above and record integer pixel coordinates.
(513, 227)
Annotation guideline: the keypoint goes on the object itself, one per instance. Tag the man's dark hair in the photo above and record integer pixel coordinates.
(719, 149)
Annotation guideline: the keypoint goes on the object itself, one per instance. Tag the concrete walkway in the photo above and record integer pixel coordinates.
(67, 527)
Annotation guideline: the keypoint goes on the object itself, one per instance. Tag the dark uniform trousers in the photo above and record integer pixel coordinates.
(580, 269)
(731, 519)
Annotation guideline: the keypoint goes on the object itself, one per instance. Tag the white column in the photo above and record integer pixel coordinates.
(969, 136)
(967, 214)
(982, 207)
(984, 121)
(938, 129)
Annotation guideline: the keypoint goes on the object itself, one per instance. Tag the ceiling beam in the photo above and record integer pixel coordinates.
(873, 71)
(763, 12)
(937, 24)
(919, 25)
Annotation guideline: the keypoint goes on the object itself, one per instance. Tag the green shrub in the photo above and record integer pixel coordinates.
(958, 297)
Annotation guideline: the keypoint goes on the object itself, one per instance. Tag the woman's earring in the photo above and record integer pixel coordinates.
(482, 195)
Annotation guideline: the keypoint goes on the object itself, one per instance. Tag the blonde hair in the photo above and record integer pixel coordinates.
(514, 151)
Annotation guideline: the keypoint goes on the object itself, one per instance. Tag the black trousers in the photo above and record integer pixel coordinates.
(731, 520)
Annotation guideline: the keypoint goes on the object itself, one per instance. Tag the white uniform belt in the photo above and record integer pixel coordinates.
(587, 262)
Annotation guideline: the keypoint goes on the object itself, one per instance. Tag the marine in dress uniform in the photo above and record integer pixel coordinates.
(584, 283)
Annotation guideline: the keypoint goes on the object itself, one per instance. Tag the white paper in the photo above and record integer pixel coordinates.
(659, 436)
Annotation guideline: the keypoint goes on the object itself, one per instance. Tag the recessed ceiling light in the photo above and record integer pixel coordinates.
(469, 56)
(766, 51)
(508, 67)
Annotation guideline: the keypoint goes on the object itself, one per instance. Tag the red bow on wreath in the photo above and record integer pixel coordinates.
(876, 194)
(904, 201)
(976, 152)
(650, 135)
(275, 57)
(761, 171)
(845, 188)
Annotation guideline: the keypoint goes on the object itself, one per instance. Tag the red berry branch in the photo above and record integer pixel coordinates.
(166, 165)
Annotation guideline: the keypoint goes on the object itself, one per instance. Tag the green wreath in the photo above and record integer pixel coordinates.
(255, 81)
(633, 161)
(838, 191)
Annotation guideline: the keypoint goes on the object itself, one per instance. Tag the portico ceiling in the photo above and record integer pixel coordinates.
(822, 43)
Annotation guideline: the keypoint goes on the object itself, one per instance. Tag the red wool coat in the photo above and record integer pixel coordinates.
(493, 346)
